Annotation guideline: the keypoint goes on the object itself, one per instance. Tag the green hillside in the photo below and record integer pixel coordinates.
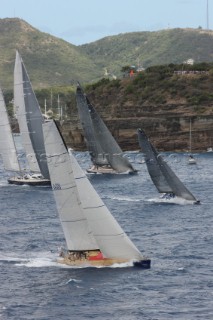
(151, 48)
(50, 61)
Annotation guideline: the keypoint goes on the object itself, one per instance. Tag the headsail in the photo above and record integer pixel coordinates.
(7, 145)
(19, 102)
(162, 175)
(96, 152)
(112, 150)
(34, 123)
(74, 194)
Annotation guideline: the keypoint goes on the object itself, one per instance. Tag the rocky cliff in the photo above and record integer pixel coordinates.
(163, 109)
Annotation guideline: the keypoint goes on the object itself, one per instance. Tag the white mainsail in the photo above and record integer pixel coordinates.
(19, 103)
(74, 223)
(7, 145)
(77, 199)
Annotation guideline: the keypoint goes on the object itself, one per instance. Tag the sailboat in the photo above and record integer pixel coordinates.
(30, 121)
(105, 153)
(93, 236)
(167, 183)
(191, 159)
(7, 145)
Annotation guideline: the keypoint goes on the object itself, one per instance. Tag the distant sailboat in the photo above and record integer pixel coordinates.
(191, 159)
(106, 155)
(30, 120)
(165, 180)
(93, 236)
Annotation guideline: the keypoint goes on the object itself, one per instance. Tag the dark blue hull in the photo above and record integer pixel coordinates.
(144, 264)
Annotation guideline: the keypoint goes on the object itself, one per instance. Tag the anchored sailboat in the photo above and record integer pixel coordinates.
(191, 159)
(93, 236)
(165, 180)
(106, 155)
(30, 121)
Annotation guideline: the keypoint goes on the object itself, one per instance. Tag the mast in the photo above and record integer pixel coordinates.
(190, 135)
(207, 14)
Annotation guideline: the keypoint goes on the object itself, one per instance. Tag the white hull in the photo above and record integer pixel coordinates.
(103, 169)
(192, 161)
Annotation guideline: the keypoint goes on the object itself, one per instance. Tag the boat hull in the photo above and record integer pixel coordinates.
(95, 169)
(143, 263)
(30, 182)
(192, 161)
(104, 170)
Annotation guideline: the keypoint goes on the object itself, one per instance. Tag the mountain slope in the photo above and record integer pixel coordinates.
(151, 48)
(49, 60)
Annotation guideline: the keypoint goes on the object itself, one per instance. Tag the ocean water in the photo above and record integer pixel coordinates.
(177, 238)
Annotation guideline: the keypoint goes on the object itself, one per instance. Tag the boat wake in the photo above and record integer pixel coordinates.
(37, 260)
(120, 198)
(48, 259)
(124, 199)
(176, 200)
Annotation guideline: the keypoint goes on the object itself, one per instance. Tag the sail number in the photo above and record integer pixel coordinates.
(56, 186)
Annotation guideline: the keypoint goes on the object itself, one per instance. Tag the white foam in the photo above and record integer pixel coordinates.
(176, 200)
(73, 280)
(126, 199)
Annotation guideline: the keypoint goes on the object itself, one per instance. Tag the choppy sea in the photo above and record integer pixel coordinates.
(177, 238)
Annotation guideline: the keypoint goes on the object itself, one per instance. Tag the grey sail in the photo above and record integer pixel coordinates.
(7, 145)
(112, 150)
(161, 174)
(34, 123)
(74, 192)
(96, 152)
(107, 142)
(19, 103)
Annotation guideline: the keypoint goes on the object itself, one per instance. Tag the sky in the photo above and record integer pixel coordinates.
(85, 21)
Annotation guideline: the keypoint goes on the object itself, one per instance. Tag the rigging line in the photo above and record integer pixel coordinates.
(73, 221)
(56, 155)
(94, 207)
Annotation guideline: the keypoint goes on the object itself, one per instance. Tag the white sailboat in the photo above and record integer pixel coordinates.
(93, 236)
(7, 145)
(30, 120)
(191, 159)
